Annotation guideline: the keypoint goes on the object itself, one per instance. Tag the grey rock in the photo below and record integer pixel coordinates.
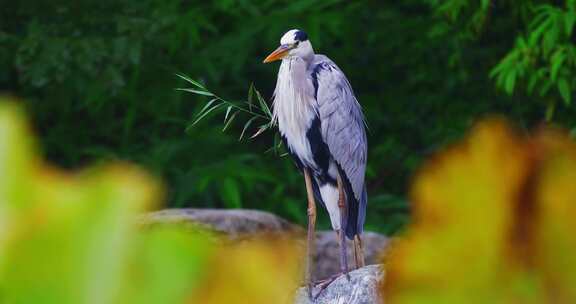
(327, 259)
(239, 224)
(234, 223)
(361, 289)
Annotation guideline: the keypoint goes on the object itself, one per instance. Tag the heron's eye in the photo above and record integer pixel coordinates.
(296, 43)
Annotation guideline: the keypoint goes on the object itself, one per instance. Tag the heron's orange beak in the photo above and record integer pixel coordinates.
(278, 53)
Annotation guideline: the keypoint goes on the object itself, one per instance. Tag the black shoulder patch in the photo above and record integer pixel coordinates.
(315, 72)
(300, 36)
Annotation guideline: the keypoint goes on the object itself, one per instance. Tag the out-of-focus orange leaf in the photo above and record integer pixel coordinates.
(260, 272)
(493, 223)
(555, 237)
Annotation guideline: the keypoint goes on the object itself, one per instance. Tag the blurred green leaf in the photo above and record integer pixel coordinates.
(82, 238)
(231, 194)
(557, 61)
(565, 91)
(510, 81)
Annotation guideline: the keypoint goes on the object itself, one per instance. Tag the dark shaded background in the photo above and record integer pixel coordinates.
(98, 78)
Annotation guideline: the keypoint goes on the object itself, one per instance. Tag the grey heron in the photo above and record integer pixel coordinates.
(323, 129)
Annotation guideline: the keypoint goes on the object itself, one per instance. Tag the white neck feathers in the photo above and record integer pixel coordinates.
(294, 96)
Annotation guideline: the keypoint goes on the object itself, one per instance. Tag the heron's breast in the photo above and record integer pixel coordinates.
(293, 124)
(294, 107)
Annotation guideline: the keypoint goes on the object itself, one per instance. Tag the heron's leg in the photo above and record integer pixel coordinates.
(322, 285)
(341, 233)
(310, 248)
(358, 251)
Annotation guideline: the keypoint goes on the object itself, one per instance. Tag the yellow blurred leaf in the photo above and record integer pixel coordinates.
(555, 237)
(259, 272)
(470, 241)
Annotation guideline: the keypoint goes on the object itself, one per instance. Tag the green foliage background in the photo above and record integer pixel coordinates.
(98, 78)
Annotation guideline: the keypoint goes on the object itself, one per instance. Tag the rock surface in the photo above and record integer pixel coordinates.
(361, 289)
(327, 261)
(235, 223)
(242, 223)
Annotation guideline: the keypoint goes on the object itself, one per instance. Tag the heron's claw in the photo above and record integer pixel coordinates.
(310, 287)
(323, 284)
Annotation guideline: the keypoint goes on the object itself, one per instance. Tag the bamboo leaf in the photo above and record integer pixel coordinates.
(261, 129)
(229, 122)
(227, 112)
(263, 104)
(190, 80)
(206, 113)
(206, 106)
(250, 96)
(277, 144)
(198, 92)
(246, 127)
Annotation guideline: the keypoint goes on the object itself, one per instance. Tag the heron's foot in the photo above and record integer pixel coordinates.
(344, 272)
(323, 284)
(310, 287)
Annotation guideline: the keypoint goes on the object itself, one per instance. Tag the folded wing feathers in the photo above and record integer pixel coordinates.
(342, 122)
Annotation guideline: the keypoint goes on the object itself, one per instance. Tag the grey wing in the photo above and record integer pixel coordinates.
(343, 127)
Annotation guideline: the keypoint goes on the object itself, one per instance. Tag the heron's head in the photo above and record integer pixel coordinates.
(294, 43)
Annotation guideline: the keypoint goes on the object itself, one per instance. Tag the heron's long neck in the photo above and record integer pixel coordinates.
(293, 96)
